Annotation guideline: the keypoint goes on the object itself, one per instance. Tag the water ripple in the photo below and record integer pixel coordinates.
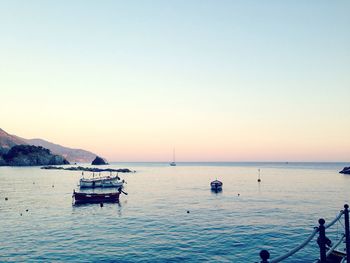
(151, 224)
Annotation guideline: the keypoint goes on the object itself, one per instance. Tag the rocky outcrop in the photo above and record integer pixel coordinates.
(99, 161)
(30, 155)
(3, 150)
(346, 170)
(2, 161)
(70, 154)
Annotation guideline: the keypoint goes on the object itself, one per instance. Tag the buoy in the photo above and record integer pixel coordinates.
(238, 194)
(188, 212)
(27, 210)
(101, 205)
(53, 186)
(21, 214)
(259, 176)
(6, 199)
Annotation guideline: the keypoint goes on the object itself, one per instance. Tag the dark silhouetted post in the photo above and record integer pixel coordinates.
(322, 240)
(347, 234)
(264, 255)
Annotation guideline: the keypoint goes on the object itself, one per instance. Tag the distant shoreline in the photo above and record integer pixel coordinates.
(233, 162)
(87, 169)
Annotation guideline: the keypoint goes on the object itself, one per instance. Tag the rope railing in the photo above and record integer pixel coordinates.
(322, 240)
(341, 213)
(297, 248)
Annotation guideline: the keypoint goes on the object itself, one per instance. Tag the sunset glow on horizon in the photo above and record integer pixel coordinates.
(217, 80)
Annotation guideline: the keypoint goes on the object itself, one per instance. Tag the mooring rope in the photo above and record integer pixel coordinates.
(310, 237)
(335, 219)
(297, 248)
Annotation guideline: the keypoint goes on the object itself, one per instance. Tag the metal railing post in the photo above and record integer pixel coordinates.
(264, 255)
(322, 240)
(347, 234)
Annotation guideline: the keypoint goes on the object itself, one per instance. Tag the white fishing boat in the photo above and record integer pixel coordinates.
(104, 181)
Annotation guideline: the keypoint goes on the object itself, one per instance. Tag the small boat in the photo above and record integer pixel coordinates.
(107, 181)
(84, 198)
(336, 256)
(216, 185)
(173, 162)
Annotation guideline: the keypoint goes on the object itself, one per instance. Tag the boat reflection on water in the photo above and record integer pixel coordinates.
(218, 191)
(118, 204)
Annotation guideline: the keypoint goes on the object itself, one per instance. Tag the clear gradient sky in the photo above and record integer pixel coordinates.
(219, 80)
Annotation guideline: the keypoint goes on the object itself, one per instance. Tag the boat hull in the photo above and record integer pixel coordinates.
(216, 185)
(84, 198)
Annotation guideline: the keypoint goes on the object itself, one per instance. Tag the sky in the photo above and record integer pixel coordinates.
(245, 80)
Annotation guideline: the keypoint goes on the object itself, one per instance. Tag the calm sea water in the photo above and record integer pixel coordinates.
(151, 224)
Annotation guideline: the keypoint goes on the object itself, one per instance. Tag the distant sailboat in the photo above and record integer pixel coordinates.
(173, 162)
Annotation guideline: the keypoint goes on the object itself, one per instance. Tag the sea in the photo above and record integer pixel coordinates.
(170, 214)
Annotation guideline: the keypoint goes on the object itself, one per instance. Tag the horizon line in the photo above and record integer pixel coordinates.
(285, 162)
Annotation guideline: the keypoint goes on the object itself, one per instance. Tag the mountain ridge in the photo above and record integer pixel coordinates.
(7, 141)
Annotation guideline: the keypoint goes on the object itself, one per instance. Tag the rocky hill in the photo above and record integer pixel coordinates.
(72, 155)
(99, 161)
(29, 155)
